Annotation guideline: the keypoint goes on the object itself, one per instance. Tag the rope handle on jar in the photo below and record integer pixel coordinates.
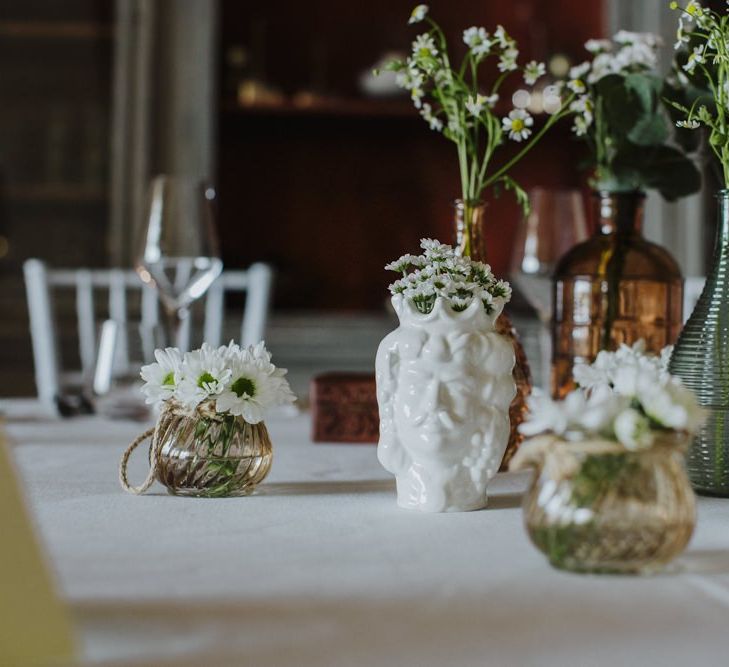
(154, 462)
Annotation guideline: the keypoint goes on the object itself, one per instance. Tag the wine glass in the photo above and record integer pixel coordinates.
(555, 223)
(179, 253)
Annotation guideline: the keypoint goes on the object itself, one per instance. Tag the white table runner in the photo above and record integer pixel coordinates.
(322, 568)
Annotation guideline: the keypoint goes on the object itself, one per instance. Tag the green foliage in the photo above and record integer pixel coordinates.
(633, 125)
(663, 168)
(596, 475)
(459, 101)
(702, 68)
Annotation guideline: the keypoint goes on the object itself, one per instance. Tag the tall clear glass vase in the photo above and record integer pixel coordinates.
(701, 360)
(469, 223)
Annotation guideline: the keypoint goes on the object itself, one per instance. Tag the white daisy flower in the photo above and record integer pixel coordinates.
(477, 39)
(694, 10)
(533, 71)
(628, 37)
(517, 124)
(402, 264)
(418, 14)
(598, 45)
(476, 105)
(579, 71)
(433, 247)
(433, 122)
(424, 46)
(409, 78)
(507, 60)
(204, 374)
(416, 95)
(696, 57)
(602, 65)
(254, 386)
(502, 37)
(577, 86)
(634, 55)
(682, 37)
(633, 430)
(161, 378)
(580, 126)
(688, 124)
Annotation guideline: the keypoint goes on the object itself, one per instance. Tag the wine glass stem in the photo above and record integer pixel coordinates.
(178, 333)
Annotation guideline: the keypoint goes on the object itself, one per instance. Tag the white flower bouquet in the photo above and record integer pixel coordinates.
(626, 397)
(210, 439)
(611, 492)
(440, 273)
(622, 113)
(227, 380)
(455, 100)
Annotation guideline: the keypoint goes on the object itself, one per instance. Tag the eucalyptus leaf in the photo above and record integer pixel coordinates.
(664, 168)
(650, 130)
(621, 111)
(645, 89)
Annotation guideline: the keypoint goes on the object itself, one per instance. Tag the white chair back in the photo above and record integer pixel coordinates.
(42, 282)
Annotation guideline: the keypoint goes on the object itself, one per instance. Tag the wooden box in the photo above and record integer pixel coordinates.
(344, 408)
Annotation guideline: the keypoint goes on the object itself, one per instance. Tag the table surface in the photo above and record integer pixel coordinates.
(321, 567)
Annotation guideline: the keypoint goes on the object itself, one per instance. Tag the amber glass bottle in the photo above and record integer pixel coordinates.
(614, 288)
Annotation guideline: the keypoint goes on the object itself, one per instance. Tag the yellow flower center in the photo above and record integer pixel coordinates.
(517, 125)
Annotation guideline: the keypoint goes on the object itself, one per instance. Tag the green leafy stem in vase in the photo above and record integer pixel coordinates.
(455, 103)
(597, 477)
(623, 116)
(214, 436)
(699, 94)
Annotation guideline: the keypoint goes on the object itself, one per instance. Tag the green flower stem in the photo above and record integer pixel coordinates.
(614, 274)
(505, 168)
(477, 136)
(719, 139)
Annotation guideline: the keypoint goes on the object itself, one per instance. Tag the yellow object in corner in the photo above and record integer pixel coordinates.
(35, 628)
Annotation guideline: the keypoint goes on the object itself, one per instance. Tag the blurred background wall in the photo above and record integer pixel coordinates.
(271, 101)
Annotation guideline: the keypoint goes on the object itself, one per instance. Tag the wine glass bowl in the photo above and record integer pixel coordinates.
(555, 223)
(179, 254)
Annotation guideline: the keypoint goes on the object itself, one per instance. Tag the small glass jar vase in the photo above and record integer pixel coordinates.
(596, 507)
(204, 454)
(211, 456)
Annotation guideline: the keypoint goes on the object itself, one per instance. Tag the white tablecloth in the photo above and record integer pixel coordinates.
(322, 568)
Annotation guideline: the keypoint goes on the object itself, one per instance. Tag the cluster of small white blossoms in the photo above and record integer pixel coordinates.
(425, 62)
(707, 28)
(626, 396)
(237, 381)
(627, 52)
(440, 273)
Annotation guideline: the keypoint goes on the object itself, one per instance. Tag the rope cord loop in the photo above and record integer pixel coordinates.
(123, 479)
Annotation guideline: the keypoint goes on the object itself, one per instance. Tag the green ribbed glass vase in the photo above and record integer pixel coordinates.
(701, 360)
